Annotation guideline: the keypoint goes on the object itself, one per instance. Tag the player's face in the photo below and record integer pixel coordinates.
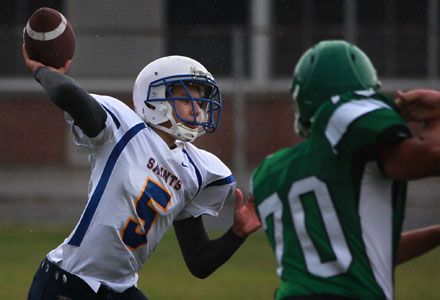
(185, 108)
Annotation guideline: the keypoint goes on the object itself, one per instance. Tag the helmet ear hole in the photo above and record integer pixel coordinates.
(150, 106)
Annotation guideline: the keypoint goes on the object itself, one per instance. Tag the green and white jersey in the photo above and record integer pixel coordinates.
(332, 218)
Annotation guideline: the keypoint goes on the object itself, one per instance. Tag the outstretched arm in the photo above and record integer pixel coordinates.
(87, 113)
(417, 242)
(202, 255)
(419, 156)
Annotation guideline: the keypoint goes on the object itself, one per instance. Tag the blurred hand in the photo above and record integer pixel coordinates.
(246, 220)
(33, 64)
(419, 105)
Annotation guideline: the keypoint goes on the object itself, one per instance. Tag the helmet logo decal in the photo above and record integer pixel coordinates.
(197, 72)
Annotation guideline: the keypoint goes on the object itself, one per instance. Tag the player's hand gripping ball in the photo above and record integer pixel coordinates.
(49, 37)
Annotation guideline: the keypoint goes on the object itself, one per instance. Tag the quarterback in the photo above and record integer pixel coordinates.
(333, 205)
(146, 176)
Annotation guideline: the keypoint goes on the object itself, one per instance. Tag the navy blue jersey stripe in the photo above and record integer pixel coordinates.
(117, 123)
(222, 181)
(100, 188)
(199, 176)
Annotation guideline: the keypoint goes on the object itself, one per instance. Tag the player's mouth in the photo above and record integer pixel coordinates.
(192, 126)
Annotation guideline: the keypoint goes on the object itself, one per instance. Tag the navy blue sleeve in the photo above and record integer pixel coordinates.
(202, 255)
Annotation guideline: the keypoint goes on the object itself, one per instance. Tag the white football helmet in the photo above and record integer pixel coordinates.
(154, 104)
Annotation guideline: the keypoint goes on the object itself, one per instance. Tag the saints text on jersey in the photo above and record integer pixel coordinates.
(171, 179)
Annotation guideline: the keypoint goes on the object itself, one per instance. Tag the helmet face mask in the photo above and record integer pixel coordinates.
(301, 125)
(209, 100)
(329, 68)
(155, 102)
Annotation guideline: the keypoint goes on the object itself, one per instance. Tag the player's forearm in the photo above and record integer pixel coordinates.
(87, 113)
(202, 255)
(417, 242)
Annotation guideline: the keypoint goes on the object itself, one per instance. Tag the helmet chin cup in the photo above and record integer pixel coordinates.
(186, 134)
(180, 132)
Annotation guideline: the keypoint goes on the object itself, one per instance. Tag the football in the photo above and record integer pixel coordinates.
(49, 37)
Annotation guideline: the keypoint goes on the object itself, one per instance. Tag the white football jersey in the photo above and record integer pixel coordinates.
(138, 187)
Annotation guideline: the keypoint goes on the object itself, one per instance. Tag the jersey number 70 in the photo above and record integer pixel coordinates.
(273, 206)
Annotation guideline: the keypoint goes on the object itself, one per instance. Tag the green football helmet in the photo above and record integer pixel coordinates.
(329, 68)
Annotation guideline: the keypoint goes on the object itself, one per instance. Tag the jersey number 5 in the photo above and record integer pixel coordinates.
(273, 206)
(152, 197)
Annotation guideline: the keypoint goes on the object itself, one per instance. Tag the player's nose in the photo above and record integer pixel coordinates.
(196, 109)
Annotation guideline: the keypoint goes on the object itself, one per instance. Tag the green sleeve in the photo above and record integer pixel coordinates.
(365, 132)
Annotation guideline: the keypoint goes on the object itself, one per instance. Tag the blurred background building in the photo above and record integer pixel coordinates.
(251, 47)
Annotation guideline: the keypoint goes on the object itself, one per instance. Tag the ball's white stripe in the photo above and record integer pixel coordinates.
(47, 36)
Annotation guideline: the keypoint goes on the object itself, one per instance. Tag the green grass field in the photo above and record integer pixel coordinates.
(250, 274)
